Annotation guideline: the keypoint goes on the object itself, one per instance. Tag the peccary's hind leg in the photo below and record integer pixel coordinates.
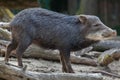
(65, 60)
(12, 46)
(22, 46)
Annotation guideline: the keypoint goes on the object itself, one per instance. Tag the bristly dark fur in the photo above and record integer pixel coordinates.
(50, 29)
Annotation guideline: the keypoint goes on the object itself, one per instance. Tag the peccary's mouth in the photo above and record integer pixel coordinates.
(101, 35)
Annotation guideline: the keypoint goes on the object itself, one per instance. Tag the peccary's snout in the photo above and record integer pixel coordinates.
(109, 33)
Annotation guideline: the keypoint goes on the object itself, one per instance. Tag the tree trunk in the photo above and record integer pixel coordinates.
(88, 7)
(72, 6)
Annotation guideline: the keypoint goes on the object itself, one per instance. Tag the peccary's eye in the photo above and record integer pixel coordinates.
(96, 25)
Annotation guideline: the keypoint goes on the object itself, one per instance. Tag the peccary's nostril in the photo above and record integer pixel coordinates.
(114, 32)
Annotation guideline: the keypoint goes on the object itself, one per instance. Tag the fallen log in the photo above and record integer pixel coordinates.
(5, 14)
(4, 43)
(5, 25)
(109, 56)
(106, 44)
(8, 72)
(5, 34)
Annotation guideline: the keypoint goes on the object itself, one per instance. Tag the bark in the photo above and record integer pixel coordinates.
(5, 25)
(109, 56)
(9, 72)
(5, 34)
(105, 45)
(5, 14)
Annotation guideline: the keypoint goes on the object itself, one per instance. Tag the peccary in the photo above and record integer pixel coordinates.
(52, 30)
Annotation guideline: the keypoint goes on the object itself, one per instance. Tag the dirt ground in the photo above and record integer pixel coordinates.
(45, 66)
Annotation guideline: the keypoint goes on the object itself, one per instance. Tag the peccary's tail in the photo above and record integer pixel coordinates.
(4, 25)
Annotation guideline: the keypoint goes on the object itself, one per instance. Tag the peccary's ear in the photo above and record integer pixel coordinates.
(83, 19)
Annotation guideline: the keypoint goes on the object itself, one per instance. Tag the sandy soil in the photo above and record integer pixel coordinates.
(46, 66)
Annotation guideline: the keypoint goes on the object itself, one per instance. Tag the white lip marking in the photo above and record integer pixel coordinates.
(98, 36)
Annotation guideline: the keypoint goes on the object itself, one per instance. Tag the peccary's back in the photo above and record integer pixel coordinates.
(38, 15)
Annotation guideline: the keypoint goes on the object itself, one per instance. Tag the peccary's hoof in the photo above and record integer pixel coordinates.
(24, 68)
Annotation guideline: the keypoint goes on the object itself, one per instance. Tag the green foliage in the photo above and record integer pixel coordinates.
(55, 5)
(15, 11)
(44, 3)
(117, 28)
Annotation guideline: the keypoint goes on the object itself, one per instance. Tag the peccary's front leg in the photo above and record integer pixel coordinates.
(65, 60)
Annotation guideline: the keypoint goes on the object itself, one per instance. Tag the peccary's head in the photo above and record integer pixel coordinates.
(94, 29)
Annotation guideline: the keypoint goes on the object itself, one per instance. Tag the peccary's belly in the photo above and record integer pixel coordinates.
(43, 44)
